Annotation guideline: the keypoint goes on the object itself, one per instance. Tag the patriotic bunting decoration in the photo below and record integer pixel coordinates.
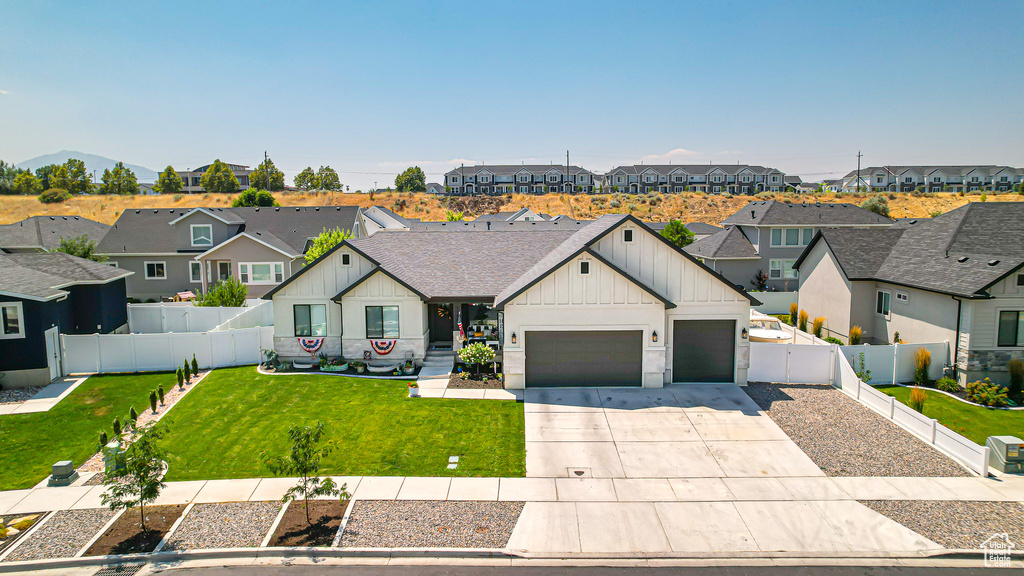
(311, 345)
(383, 347)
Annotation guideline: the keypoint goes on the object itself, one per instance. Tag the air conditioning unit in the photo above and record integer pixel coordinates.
(1005, 454)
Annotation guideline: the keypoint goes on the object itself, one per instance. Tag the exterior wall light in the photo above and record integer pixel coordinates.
(743, 334)
(654, 336)
(513, 337)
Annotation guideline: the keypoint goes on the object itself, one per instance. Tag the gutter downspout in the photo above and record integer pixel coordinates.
(956, 345)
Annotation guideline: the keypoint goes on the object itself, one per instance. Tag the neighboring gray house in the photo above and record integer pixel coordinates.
(769, 236)
(958, 277)
(181, 249)
(435, 188)
(711, 178)
(521, 215)
(39, 233)
(524, 179)
(933, 178)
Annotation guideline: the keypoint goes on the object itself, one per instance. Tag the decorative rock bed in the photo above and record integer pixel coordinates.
(18, 395)
(62, 535)
(415, 524)
(465, 380)
(227, 525)
(845, 438)
(955, 524)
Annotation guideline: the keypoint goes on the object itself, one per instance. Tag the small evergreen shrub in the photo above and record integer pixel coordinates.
(834, 340)
(802, 322)
(793, 310)
(855, 335)
(817, 325)
(132, 414)
(186, 371)
(947, 385)
(152, 400)
(917, 398)
(103, 439)
(180, 376)
(195, 365)
(160, 393)
(922, 360)
(987, 394)
(117, 427)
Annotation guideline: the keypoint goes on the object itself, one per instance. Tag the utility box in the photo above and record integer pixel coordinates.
(1005, 454)
(63, 473)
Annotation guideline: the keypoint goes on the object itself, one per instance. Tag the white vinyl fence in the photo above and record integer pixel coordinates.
(177, 317)
(105, 353)
(774, 302)
(790, 363)
(894, 363)
(801, 337)
(260, 314)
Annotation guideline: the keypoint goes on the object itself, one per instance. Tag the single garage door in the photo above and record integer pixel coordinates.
(586, 358)
(703, 350)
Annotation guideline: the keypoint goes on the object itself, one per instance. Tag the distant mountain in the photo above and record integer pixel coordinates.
(92, 162)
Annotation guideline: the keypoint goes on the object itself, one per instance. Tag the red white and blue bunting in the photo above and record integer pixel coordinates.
(383, 347)
(311, 345)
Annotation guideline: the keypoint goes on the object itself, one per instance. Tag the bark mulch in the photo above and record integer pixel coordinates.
(125, 536)
(326, 518)
(467, 380)
(15, 526)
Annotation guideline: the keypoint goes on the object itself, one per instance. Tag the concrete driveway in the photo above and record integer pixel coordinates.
(680, 431)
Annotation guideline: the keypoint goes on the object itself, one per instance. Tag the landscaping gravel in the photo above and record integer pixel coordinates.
(228, 525)
(18, 395)
(63, 535)
(955, 524)
(845, 438)
(430, 524)
(466, 382)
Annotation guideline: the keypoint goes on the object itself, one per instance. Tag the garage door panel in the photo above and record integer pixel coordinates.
(703, 350)
(584, 358)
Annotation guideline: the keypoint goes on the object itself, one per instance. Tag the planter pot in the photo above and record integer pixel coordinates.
(360, 369)
(338, 368)
(409, 369)
(414, 392)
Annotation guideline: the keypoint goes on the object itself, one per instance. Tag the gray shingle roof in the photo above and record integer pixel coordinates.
(771, 212)
(727, 243)
(693, 169)
(40, 276)
(560, 224)
(958, 171)
(510, 169)
(961, 252)
(861, 251)
(46, 231)
(287, 227)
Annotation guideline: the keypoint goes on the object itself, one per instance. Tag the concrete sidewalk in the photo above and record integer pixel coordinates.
(47, 398)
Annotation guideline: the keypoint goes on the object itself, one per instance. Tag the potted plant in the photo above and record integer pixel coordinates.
(414, 390)
(409, 367)
(359, 366)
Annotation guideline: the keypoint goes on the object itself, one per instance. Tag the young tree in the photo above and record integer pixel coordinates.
(307, 179)
(27, 184)
(450, 216)
(230, 292)
(254, 197)
(44, 173)
(219, 179)
(325, 241)
(140, 480)
(80, 246)
(327, 179)
(120, 180)
(303, 462)
(677, 233)
(259, 180)
(168, 182)
(412, 180)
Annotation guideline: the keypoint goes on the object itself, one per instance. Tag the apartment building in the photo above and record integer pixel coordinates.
(934, 179)
(709, 178)
(523, 179)
(190, 178)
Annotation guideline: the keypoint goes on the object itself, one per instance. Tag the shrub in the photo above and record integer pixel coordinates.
(178, 197)
(160, 393)
(817, 325)
(614, 204)
(103, 439)
(984, 197)
(793, 309)
(922, 360)
(802, 322)
(252, 197)
(180, 376)
(132, 414)
(878, 204)
(1016, 367)
(186, 371)
(987, 394)
(230, 292)
(834, 340)
(195, 365)
(947, 385)
(917, 398)
(54, 195)
(855, 335)
(117, 427)
(476, 354)
(152, 400)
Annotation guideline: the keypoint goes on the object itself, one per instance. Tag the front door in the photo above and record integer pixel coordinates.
(440, 324)
(53, 352)
(223, 271)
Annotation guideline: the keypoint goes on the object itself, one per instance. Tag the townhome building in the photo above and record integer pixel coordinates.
(190, 178)
(957, 278)
(769, 236)
(172, 250)
(933, 179)
(708, 178)
(522, 179)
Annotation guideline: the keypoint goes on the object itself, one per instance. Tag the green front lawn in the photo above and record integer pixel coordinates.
(973, 422)
(219, 430)
(31, 443)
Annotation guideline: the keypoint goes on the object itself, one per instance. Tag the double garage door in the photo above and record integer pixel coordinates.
(702, 351)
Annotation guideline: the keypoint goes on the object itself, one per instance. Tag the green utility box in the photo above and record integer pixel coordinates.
(1005, 454)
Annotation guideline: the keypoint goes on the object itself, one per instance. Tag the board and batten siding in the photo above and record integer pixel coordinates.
(985, 313)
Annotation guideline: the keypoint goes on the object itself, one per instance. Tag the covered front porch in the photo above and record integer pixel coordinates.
(480, 323)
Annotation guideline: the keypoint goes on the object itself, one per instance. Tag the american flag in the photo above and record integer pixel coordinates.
(462, 333)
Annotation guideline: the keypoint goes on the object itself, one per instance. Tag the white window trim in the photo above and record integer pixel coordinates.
(191, 272)
(145, 269)
(799, 238)
(343, 255)
(21, 321)
(589, 267)
(327, 318)
(112, 263)
(782, 269)
(888, 315)
(248, 273)
(632, 235)
(192, 235)
(902, 298)
(995, 334)
(1020, 279)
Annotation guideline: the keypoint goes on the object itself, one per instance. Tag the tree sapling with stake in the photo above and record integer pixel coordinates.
(304, 462)
(140, 480)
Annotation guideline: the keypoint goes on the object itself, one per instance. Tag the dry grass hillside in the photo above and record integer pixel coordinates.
(686, 206)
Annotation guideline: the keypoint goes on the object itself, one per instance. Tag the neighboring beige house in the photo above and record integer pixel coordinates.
(605, 303)
(191, 178)
(956, 278)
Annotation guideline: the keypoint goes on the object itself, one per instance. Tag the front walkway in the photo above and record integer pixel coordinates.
(46, 398)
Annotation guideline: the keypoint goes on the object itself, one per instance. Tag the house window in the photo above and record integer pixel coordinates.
(1011, 328)
(1020, 279)
(717, 178)
(782, 269)
(382, 322)
(775, 178)
(974, 178)
(808, 234)
(261, 272)
(746, 178)
(648, 178)
(346, 259)
(202, 235)
(627, 235)
(677, 178)
(195, 272)
(11, 316)
(310, 319)
(584, 268)
(788, 236)
(882, 303)
(902, 298)
(112, 263)
(678, 188)
(156, 271)
(908, 180)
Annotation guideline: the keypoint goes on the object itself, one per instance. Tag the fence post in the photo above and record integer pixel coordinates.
(895, 361)
(934, 429)
(789, 363)
(892, 408)
(983, 469)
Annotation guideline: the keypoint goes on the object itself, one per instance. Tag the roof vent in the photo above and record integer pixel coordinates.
(297, 209)
(338, 208)
(52, 218)
(317, 209)
(277, 209)
(753, 214)
(913, 221)
(993, 262)
(156, 211)
(962, 259)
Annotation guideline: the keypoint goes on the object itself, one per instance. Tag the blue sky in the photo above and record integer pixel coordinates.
(373, 87)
